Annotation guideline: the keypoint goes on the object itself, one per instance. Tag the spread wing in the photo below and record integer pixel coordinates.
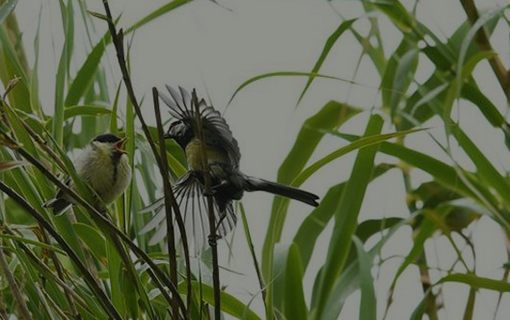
(192, 203)
(215, 129)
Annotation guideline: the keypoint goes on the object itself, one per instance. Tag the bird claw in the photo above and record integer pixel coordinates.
(210, 193)
(213, 240)
(214, 189)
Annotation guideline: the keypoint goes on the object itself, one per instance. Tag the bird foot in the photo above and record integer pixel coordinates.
(210, 193)
(213, 240)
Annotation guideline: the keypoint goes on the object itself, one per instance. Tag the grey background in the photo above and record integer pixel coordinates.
(205, 46)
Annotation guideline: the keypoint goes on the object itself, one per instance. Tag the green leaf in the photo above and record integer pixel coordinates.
(419, 311)
(288, 283)
(346, 216)
(376, 53)
(485, 18)
(87, 71)
(362, 143)
(34, 78)
(316, 222)
(6, 9)
(114, 127)
(484, 167)
(32, 242)
(325, 51)
(331, 116)
(443, 173)
(397, 14)
(286, 74)
(80, 111)
(424, 232)
(229, 304)
(349, 281)
(157, 13)
(476, 282)
(63, 68)
(252, 248)
(93, 239)
(295, 304)
(368, 305)
(115, 275)
(12, 67)
(12, 164)
(471, 93)
(399, 74)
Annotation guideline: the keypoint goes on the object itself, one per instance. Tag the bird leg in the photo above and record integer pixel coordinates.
(213, 240)
(215, 188)
(222, 217)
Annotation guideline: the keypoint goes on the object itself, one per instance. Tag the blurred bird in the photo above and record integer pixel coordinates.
(104, 166)
(227, 181)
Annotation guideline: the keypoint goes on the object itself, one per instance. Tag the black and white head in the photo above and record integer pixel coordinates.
(109, 143)
(181, 132)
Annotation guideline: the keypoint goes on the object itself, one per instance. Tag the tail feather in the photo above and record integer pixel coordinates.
(257, 184)
(58, 205)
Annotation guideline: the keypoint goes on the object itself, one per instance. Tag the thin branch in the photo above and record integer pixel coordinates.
(212, 223)
(24, 314)
(3, 310)
(105, 301)
(57, 278)
(117, 39)
(52, 303)
(169, 196)
(254, 256)
(96, 215)
(172, 259)
(483, 41)
(58, 267)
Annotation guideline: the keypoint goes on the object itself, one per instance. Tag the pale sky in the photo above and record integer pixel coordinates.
(205, 46)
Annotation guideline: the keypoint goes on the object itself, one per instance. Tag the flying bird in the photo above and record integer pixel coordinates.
(228, 183)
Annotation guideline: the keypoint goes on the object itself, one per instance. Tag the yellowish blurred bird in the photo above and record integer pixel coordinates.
(104, 166)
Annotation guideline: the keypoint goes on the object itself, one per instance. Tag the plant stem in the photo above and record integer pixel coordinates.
(168, 206)
(57, 278)
(60, 273)
(254, 256)
(482, 39)
(24, 314)
(431, 305)
(117, 39)
(101, 220)
(210, 206)
(103, 298)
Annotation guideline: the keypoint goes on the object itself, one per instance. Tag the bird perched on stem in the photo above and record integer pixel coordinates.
(104, 166)
(228, 183)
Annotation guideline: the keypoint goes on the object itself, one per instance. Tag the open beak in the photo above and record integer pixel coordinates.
(119, 146)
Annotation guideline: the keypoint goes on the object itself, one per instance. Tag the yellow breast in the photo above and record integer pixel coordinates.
(194, 155)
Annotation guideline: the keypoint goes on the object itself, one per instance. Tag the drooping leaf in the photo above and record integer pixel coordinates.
(368, 305)
(345, 25)
(6, 9)
(331, 116)
(229, 304)
(12, 164)
(346, 217)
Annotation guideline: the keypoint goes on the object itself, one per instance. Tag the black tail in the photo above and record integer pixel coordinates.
(58, 205)
(257, 184)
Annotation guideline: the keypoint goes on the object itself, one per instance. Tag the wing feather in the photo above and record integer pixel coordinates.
(215, 128)
(192, 203)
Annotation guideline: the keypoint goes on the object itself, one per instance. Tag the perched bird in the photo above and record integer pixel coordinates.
(228, 183)
(104, 166)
